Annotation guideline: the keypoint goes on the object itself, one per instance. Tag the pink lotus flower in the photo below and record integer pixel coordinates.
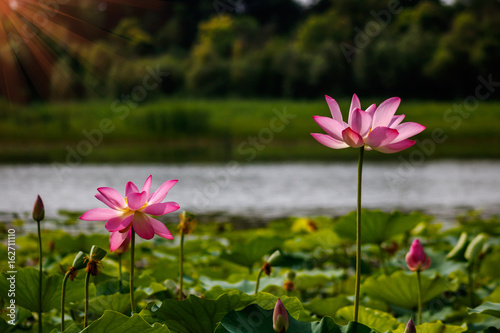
(132, 211)
(117, 237)
(416, 259)
(375, 128)
(280, 317)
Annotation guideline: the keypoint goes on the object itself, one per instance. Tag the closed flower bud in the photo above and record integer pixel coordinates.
(416, 259)
(280, 318)
(410, 327)
(38, 210)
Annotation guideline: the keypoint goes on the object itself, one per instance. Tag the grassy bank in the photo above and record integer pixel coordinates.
(175, 130)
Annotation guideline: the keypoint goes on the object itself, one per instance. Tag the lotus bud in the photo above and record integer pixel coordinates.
(280, 318)
(38, 210)
(416, 258)
(410, 327)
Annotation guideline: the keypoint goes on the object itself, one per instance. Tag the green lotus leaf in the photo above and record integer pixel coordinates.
(254, 319)
(26, 280)
(246, 286)
(492, 309)
(250, 252)
(116, 302)
(401, 289)
(437, 327)
(327, 306)
(202, 315)
(377, 226)
(114, 322)
(376, 319)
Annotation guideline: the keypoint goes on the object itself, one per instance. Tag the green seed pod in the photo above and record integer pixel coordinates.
(79, 262)
(475, 247)
(275, 258)
(458, 252)
(97, 253)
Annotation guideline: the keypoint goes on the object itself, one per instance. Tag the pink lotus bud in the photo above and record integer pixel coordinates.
(280, 318)
(410, 327)
(416, 258)
(38, 210)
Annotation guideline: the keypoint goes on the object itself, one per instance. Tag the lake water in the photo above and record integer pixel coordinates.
(259, 192)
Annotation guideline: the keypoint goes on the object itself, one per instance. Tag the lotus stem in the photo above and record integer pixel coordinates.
(358, 236)
(40, 326)
(63, 296)
(86, 315)
(419, 282)
(471, 284)
(258, 281)
(181, 266)
(382, 260)
(120, 283)
(132, 265)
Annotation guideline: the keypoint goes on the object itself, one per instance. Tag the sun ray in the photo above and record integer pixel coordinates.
(34, 34)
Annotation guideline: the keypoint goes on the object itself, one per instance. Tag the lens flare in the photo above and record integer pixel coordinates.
(43, 41)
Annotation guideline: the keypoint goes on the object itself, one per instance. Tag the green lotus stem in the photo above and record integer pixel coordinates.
(419, 282)
(85, 318)
(181, 266)
(471, 284)
(258, 281)
(132, 250)
(63, 296)
(358, 236)
(382, 260)
(40, 328)
(120, 283)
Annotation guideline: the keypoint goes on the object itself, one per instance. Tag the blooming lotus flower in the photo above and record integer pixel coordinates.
(280, 318)
(375, 128)
(416, 259)
(133, 211)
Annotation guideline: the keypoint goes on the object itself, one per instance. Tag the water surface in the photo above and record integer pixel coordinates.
(265, 191)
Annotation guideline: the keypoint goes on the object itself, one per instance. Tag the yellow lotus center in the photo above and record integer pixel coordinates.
(128, 210)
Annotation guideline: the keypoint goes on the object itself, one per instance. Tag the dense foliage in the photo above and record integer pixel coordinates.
(314, 262)
(277, 48)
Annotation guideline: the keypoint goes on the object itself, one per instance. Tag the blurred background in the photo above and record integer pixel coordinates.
(127, 83)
